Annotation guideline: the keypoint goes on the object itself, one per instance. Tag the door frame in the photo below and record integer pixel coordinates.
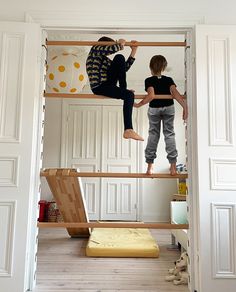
(141, 23)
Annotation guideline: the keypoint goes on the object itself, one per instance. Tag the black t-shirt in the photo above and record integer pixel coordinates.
(161, 85)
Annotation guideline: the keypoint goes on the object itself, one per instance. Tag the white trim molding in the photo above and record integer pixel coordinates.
(7, 226)
(9, 171)
(112, 21)
(11, 72)
(222, 174)
(220, 104)
(224, 240)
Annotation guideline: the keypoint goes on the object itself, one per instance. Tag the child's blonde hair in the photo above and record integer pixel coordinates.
(158, 64)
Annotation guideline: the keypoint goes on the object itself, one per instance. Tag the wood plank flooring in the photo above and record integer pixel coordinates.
(63, 267)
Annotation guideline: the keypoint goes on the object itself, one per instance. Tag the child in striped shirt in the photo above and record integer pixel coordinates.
(104, 74)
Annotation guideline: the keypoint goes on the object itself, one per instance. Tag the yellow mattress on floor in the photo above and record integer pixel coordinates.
(122, 242)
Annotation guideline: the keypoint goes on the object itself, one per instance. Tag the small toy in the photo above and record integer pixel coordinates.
(179, 274)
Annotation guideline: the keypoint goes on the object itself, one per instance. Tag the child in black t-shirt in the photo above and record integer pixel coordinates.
(161, 110)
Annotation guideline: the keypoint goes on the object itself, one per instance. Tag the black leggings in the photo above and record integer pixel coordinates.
(117, 73)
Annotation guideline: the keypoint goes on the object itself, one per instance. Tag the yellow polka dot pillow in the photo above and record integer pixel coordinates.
(66, 72)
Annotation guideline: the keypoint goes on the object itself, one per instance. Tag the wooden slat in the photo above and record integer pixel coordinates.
(68, 194)
(94, 96)
(113, 225)
(92, 43)
(46, 173)
(179, 197)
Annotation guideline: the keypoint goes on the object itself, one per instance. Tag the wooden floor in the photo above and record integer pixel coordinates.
(63, 267)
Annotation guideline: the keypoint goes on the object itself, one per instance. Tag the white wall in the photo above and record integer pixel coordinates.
(214, 11)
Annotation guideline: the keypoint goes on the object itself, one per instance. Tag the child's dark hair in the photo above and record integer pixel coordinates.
(105, 39)
(158, 64)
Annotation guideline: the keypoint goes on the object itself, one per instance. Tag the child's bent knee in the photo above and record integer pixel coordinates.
(119, 58)
(130, 94)
(130, 97)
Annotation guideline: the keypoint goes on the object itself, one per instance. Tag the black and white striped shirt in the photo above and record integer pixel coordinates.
(97, 63)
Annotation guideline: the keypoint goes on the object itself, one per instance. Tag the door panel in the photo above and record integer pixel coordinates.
(84, 150)
(118, 199)
(118, 196)
(94, 143)
(216, 151)
(19, 164)
(91, 188)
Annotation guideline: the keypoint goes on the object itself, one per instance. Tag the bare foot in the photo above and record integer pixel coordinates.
(131, 134)
(173, 169)
(149, 168)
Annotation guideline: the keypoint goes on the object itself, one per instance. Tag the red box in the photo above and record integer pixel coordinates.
(43, 205)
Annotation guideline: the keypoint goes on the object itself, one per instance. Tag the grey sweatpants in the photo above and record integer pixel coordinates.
(155, 116)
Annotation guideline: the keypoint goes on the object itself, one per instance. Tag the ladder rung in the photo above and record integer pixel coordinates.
(105, 43)
(94, 96)
(112, 225)
(74, 173)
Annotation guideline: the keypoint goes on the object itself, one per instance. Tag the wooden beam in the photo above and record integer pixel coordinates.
(92, 43)
(47, 173)
(112, 225)
(93, 96)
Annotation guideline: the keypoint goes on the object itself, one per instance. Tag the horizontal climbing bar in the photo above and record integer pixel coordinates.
(92, 43)
(113, 174)
(112, 225)
(93, 96)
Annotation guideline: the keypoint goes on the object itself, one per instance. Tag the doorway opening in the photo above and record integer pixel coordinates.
(148, 204)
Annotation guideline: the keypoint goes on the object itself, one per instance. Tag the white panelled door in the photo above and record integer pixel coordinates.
(19, 94)
(92, 141)
(83, 149)
(118, 196)
(216, 151)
